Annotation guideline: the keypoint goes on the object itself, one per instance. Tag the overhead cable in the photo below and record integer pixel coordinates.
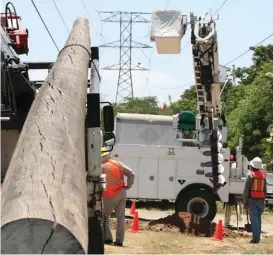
(84, 6)
(60, 15)
(181, 86)
(248, 50)
(45, 25)
(167, 4)
(222, 5)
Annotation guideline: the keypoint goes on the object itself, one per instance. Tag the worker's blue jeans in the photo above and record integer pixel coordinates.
(255, 210)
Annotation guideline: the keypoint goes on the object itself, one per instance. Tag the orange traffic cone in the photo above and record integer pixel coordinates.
(218, 235)
(133, 208)
(135, 224)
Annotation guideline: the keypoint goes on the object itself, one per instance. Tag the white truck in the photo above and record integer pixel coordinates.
(171, 168)
(182, 157)
(269, 195)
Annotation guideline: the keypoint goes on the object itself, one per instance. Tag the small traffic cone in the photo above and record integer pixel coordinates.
(133, 208)
(135, 224)
(218, 235)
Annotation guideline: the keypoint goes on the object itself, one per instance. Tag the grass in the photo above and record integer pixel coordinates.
(167, 206)
(269, 211)
(170, 243)
(265, 247)
(221, 210)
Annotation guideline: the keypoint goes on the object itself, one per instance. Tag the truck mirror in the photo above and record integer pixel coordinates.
(108, 118)
(110, 142)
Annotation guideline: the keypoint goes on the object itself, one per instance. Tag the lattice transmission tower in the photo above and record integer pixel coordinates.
(125, 44)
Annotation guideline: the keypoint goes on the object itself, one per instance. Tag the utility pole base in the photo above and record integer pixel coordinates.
(37, 236)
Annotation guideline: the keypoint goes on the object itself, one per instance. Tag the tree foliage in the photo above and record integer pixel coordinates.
(187, 102)
(145, 105)
(261, 55)
(249, 106)
(253, 114)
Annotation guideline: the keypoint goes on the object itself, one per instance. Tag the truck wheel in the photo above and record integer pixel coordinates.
(198, 202)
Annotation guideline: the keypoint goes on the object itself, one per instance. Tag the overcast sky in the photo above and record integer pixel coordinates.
(242, 23)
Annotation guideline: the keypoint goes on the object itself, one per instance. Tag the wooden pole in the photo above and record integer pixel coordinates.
(44, 195)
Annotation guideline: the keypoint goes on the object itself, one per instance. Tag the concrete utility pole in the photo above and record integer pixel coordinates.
(44, 195)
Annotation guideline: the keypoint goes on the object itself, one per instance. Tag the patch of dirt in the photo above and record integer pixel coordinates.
(183, 223)
(194, 225)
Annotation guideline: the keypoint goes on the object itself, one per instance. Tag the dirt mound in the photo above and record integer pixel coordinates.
(182, 223)
(190, 224)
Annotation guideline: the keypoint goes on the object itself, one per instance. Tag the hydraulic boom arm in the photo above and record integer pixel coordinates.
(206, 70)
(168, 28)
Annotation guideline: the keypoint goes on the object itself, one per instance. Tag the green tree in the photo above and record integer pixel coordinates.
(254, 114)
(145, 105)
(261, 54)
(187, 102)
(268, 149)
(234, 94)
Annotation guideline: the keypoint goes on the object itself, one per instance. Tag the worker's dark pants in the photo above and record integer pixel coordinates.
(255, 209)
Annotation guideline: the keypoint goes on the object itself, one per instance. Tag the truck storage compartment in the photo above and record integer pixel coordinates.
(144, 129)
(168, 28)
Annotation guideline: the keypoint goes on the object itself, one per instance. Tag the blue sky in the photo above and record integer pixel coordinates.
(242, 23)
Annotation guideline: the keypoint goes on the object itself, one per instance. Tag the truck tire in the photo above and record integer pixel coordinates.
(199, 202)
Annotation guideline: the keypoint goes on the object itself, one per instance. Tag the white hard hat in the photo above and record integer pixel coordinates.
(256, 163)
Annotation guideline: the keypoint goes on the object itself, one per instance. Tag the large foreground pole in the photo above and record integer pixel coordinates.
(44, 195)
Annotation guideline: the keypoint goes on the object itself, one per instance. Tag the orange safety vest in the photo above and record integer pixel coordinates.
(258, 184)
(114, 178)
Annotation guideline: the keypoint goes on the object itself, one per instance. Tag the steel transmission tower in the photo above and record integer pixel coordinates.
(125, 45)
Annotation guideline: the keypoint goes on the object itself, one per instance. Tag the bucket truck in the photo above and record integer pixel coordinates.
(184, 157)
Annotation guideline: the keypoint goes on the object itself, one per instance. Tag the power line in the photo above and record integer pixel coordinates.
(181, 86)
(222, 5)
(45, 25)
(167, 4)
(149, 62)
(248, 50)
(144, 54)
(84, 6)
(53, 38)
(60, 15)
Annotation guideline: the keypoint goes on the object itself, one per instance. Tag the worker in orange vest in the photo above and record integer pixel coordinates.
(114, 196)
(254, 197)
